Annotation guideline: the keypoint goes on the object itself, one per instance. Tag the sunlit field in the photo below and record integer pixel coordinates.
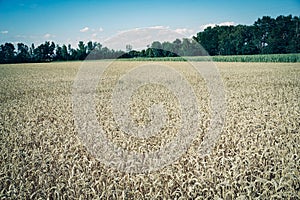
(256, 156)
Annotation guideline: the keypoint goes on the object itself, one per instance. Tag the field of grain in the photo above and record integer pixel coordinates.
(256, 156)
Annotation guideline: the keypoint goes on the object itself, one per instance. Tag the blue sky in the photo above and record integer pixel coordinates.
(69, 21)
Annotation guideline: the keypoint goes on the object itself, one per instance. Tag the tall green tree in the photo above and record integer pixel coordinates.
(58, 53)
(81, 51)
(7, 53)
(23, 54)
(209, 39)
(44, 52)
(64, 52)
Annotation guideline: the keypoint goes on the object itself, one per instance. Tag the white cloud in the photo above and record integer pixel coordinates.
(227, 24)
(185, 31)
(94, 33)
(4, 32)
(202, 27)
(158, 27)
(48, 35)
(85, 29)
(139, 38)
(219, 24)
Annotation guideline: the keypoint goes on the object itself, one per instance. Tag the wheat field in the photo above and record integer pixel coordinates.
(256, 156)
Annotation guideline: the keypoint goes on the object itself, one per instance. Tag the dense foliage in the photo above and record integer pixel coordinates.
(50, 52)
(265, 36)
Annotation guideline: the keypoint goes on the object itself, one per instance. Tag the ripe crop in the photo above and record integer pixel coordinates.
(256, 156)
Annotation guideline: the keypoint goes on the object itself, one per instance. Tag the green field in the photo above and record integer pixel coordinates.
(256, 157)
(229, 58)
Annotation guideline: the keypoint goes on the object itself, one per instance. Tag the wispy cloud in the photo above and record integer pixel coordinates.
(227, 24)
(48, 36)
(219, 24)
(139, 38)
(185, 31)
(142, 29)
(4, 32)
(159, 27)
(85, 29)
(94, 33)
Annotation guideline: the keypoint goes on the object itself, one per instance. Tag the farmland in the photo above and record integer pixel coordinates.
(231, 58)
(256, 156)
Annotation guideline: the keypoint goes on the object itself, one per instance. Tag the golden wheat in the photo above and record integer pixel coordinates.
(257, 155)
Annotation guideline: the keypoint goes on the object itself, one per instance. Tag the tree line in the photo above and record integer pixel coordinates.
(48, 51)
(266, 36)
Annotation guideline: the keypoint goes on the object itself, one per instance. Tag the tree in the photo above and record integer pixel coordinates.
(90, 47)
(81, 51)
(143, 53)
(294, 42)
(105, 53)
(97, 51)
(209, 39)
(23, 53)
(128, 47)
(246, 41)
(31, 52)
(58, 53)
(156, 45)
(177, 46)
(64, 53)
(187, 49)
(282, 34)
(7, 53)
(133, 54)
(264, 27)
(157, 50)
(149, 53)
(227, 41)
(72, 53)
(44, 52)
(169, 48)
